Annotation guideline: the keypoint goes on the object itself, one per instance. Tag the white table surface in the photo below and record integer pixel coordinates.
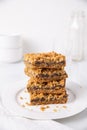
(77, 72)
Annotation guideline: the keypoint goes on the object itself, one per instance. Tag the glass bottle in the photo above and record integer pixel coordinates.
(77, 32)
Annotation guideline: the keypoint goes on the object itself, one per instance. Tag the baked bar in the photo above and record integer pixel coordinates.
(47, 78)
(45, 98)
(44, 60)
(46, 87)
(46, 74)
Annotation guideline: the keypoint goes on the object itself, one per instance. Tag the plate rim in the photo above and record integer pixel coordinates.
(26, 115)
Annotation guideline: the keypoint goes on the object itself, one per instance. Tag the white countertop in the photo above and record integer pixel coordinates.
(77, 72)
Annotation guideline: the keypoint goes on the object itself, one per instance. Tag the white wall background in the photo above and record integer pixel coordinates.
(40, 22)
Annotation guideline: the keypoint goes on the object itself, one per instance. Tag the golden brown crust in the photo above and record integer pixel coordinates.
(47, 78)
(46, 65)
(44, 60)
(50, 90)
(52, 84)
(34, 71)
(46, 75)
(39, 99)
(50, 56)
(55, 101)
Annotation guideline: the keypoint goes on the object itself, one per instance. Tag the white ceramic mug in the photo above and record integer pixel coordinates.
(10, 48)
(10, 41)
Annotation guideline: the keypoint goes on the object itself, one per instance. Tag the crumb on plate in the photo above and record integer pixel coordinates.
(28, 104)
(55, 110)
(43, 108)
(21, 98)
(64, 106)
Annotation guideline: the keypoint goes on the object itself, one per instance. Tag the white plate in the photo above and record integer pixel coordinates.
(15, 99)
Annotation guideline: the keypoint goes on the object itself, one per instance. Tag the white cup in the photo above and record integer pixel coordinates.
(10, 48)
(10, 41)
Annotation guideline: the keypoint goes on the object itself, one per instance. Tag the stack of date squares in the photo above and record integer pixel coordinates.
(47, 78)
